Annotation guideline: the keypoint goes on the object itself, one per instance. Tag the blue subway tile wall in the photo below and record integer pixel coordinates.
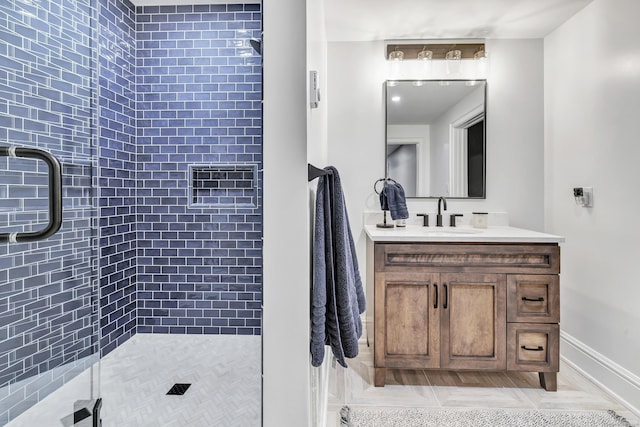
(48, 304)
(199, 103)
(117, 172)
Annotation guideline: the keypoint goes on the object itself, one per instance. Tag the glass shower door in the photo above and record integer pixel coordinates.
(49, 323)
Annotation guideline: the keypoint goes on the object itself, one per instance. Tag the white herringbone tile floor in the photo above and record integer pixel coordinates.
(224, 372)
(462, 390)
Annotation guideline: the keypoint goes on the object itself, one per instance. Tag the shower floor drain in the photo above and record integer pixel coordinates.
(179, 389)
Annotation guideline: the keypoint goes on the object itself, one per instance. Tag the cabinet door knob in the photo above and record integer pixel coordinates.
(539, 299)
(435, 303)
(446, 296)
(539, 348)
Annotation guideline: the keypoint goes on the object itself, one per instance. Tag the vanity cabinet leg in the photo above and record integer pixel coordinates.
(379, 376)
(549, 380)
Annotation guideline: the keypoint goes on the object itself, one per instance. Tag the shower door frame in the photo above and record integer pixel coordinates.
(44, 128)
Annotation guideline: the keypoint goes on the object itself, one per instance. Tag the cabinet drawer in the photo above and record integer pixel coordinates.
(468, 258)
(533, 347)
(533, 298)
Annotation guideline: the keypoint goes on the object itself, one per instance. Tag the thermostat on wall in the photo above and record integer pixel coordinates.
(314, 89)
(583, 196)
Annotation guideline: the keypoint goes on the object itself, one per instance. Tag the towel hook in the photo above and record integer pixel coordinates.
(315, 172)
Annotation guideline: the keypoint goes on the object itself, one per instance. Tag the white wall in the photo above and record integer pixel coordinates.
(317, 156)
(401, 165)
(418, 135)
(440, 136)
(356, 129)
(317, 61)
(286, 367)
(439, 167)
(592, 105)
(355, 133)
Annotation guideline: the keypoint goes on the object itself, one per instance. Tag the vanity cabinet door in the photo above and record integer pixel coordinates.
(473, 321)
(407, 326)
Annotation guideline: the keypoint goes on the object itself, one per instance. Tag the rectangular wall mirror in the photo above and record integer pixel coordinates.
(435, 137)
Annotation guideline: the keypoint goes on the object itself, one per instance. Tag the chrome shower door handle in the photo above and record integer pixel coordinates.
(55, 194)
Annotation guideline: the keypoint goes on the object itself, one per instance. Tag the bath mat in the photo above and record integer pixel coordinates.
(423, 417)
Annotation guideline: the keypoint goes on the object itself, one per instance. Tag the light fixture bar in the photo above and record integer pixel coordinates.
(440, 50)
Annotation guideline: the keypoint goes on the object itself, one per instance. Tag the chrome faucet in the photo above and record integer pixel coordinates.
(439, 215)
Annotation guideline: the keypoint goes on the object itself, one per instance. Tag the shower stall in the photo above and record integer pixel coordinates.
(130, 193)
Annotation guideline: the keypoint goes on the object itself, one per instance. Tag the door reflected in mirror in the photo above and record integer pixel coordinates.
(435, 137)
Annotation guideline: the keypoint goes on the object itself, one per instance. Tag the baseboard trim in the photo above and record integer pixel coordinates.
(614, 379)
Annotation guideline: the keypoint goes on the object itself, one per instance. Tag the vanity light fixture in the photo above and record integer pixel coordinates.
(453, 58)
(481, 60)
(425, 55)
(480, 54)
(396, 55)
(453, 55)
(433, 50)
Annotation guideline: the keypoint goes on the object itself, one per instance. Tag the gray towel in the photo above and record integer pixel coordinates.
(392, 199)
(338, 297)
(384, 200)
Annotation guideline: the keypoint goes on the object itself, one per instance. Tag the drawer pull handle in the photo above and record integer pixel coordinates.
(539, 299)
(446, 296)
(435, 304)
(539, 348)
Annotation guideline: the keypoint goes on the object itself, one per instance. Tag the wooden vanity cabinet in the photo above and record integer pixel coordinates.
(466, 307)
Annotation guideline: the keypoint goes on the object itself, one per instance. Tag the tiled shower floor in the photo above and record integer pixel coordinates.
(224, 370)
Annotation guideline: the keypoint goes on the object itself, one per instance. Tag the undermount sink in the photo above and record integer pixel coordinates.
(449, 231)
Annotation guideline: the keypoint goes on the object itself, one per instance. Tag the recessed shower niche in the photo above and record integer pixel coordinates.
(223, 185)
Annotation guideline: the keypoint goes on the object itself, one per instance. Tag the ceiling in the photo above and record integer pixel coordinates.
(364, 20)
(421, 105)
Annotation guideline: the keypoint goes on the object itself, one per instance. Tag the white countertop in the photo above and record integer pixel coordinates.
(418, 233)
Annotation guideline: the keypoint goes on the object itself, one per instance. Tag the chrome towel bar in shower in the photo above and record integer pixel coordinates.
(55, 194)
